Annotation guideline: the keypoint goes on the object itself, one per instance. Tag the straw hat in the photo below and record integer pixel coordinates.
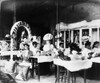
(85, 38)
(48, 36)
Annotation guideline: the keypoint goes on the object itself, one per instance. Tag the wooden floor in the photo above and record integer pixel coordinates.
(93, 76)
(51, 79)
(44, 79)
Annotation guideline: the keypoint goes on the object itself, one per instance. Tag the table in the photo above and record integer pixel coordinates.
(3, 53)
(9, 53)
(95, 60)
(40, 59)
(73, 66)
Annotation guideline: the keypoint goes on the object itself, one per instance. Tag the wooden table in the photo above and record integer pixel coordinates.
(73, 66)
(40, 59)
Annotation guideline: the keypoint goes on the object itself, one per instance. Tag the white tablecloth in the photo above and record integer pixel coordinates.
(74, 65)
(42, 59)
(45, 59)
(95, 60)
(3, 53)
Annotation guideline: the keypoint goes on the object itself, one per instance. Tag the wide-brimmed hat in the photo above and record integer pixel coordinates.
(48, 36)
(85, 38)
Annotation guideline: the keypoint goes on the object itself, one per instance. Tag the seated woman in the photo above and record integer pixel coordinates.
(67, 52)
(95, 46)
(95, 49)
(74, 52)
(23, 67)
(49, 49)
(61, 50)
(35, 49)
(85, 52)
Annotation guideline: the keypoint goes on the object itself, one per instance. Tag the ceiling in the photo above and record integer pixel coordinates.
(43, 14)
(37, 9)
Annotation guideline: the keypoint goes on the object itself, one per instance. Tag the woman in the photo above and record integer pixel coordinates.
(95, 46)
(72, 52)
(95, 49)
(48, 50)
(48, 47)
(86, 50)
(23, 67)
(67, 52)
(35, 48)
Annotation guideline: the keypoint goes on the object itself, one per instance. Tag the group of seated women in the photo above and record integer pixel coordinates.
(73, 52)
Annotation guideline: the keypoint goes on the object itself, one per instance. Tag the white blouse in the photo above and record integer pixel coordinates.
(48, 47)
(85, 52)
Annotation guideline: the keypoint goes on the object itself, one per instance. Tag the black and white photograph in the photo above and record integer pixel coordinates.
(49, 41)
